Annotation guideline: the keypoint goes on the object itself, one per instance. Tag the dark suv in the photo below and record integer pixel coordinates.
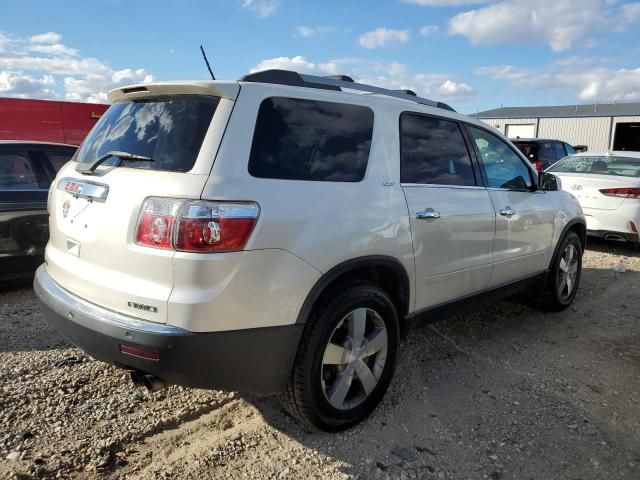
(26, 171)
(543, 152)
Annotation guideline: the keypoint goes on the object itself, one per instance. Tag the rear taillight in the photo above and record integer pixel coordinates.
(155, 223)
(196, 226)
(538, 164)
(631, 192)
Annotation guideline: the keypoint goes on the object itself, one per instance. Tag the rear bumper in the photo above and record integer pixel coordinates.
(257, 360)
(616, 236)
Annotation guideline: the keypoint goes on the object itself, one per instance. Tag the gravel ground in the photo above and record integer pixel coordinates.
(500, 392)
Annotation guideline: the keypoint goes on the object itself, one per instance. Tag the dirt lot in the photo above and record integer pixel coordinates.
(501, 392)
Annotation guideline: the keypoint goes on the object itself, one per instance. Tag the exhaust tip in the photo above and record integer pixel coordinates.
(150, 382)
(136, 378)
(614, 237)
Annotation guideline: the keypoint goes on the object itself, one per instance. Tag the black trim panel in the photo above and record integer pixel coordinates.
(441, 311)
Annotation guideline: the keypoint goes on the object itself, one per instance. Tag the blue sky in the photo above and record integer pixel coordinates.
(473, 54)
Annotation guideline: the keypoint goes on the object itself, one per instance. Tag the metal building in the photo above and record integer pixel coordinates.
(600, 127)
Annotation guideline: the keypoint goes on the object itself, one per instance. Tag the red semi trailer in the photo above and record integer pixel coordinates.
(47, 120)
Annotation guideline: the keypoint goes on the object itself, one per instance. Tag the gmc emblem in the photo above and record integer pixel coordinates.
(142, 306)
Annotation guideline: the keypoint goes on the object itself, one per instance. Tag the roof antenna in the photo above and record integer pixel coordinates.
(204, 55)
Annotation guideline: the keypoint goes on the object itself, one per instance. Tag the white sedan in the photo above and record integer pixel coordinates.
(607, 185)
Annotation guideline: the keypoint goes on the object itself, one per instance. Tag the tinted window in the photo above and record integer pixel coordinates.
(503, 167)
(57, 158)
(529, 150)
(599, 165)
(546, 153)
(570, 150)
(170, 130)
(16, 172)
(433, 151)
(560, 153)
(311, 140)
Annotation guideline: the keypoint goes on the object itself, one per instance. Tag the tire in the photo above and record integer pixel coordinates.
(562, 282)
(322, 373)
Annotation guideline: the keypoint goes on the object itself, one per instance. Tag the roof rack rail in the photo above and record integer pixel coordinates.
(344, 78)
(407, 91)
(294, 79)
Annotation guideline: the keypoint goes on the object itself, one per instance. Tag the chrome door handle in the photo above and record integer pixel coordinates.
(507, 212)
(428, 214)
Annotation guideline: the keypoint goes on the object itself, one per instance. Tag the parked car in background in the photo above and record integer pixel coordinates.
(26, 172)
(543, 152)
(607, 185)
(275, 235)
(47, 120)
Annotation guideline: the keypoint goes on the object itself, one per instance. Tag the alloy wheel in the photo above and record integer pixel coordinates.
(567, 271)
(354, 358)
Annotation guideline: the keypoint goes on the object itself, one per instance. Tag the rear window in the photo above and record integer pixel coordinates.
(311, 140)
(599, 165)
(170, 130)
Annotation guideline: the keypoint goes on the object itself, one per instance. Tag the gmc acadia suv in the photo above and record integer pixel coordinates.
(276, 234)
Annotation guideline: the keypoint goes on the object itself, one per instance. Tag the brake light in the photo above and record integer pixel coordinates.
(155, 223)
(196, 226)
(632, 192)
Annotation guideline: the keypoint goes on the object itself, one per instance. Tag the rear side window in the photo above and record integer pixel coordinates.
(16, 172)
(433, 151)
(311, 140)
(170, 130)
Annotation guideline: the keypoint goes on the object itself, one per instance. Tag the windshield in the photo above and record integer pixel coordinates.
(170, 130)
(599, 165)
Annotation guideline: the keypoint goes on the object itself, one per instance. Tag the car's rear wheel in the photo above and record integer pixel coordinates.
(564, 275)
(345, 361)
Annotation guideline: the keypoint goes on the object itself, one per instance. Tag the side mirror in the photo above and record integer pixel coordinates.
(549, 182)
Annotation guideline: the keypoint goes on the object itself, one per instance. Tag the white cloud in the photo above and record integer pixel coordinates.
(18, 85)
(452, 89)
(445, 3)
(312, 32)
(264, 8)
(48, 38)
(55, 49)
(383, 36)
(93, 87)
(298, 64)
(41, 66)
(393, 75)
(428, 30)
(585, 79)
(559, 23)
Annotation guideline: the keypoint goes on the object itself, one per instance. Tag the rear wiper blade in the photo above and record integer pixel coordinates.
(89, 168)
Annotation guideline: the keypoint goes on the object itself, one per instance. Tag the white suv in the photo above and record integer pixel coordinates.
(278, 233)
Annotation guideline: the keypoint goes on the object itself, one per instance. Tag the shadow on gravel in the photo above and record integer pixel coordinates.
(614, 248)
(22, 326)
(505, 391)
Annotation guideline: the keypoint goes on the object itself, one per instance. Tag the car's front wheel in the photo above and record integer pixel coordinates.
(345, 360)
(564, 275)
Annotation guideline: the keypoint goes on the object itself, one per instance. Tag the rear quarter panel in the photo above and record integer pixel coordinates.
(322, 223)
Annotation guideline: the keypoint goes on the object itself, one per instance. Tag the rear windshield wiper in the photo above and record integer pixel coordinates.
(89, 168)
